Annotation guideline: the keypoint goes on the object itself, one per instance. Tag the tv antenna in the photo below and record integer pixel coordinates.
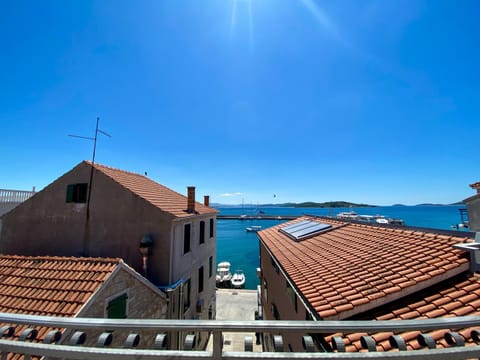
(97, 130)
(94, 139)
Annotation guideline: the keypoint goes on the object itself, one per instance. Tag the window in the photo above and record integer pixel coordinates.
(202, 232)
(265, 289)
(77, 193)
(200, 279)
(210, 266)
(291, 296)
(211, 228)
(275, 313)
(186, 295)
(117, 308)
(186, 238)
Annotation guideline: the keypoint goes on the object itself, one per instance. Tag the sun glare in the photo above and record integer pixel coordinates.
(239, 9)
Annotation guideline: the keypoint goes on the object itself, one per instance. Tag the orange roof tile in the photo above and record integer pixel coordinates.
(418, 306)
(374, 261)
(33, 285)
(156, 194)
(49, 286)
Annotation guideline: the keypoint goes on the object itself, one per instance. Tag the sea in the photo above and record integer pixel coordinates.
(241, 248)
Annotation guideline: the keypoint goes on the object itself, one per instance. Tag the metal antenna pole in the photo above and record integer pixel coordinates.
(90, 184)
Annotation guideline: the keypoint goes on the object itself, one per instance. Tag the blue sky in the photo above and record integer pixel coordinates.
(363, 101)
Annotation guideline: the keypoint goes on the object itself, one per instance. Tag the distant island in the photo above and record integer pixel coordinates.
(308, 204)
(328, 204)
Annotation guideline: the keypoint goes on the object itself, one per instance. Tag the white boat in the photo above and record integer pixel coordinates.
(253, 228)
(238, 279)
(347, 215)
(378, 219)
(223, 275)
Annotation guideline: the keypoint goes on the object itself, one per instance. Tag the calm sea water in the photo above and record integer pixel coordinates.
(240, 248)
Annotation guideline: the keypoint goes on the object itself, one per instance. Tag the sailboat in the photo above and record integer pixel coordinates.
(243, 216)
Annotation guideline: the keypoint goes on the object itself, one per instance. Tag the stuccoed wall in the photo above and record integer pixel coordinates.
(473, 207)
(47, 225)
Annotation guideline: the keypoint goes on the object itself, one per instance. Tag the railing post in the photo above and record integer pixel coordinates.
(217, 345)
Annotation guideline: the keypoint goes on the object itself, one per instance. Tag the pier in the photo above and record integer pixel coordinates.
(257, 217)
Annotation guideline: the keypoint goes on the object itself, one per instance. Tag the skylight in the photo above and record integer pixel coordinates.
(304, 229)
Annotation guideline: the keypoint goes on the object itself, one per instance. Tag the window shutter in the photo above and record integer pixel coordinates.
(70, 193)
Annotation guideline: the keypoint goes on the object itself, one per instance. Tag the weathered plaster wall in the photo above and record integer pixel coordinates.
(47, 225)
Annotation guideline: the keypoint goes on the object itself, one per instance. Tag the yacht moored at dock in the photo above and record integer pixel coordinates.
(223, 275)
(378, 219)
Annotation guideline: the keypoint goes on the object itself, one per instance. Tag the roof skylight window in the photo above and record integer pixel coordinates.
(304, 229)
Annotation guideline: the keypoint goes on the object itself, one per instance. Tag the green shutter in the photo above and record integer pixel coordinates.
(70, 193)
(117, 308)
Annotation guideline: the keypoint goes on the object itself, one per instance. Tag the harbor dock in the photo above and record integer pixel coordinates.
(257, 217)
(234, 304)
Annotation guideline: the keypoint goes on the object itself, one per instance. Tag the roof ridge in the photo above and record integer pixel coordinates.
(154, 193)
(402, 229)
(99, 166)
(61, 258)
(114, 168)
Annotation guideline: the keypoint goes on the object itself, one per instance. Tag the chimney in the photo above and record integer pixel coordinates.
(191, 199)
(476, 186)
(206, 200)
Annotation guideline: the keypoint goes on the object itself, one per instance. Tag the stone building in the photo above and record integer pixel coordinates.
(78, 287)
(168, 237)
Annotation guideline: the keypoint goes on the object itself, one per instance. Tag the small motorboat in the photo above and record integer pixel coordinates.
(238, 279)
(253, 228)
(223, 275)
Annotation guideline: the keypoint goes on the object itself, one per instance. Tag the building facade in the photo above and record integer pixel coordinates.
(99, 211)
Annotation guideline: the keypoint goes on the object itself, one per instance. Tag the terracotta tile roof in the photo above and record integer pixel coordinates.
(50, 286)
(158, 195)
(457, 296)
(356, 267)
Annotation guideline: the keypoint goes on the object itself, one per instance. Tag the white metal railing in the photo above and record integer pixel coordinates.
(72, 348)
(15, 196)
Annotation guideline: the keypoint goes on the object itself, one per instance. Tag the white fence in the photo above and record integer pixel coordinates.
(15, 196)
(9, 199)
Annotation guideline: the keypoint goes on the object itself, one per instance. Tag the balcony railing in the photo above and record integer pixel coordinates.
(15, 196)
(55, 346)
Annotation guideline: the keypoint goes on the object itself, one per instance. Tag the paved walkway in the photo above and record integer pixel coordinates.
(235, 304)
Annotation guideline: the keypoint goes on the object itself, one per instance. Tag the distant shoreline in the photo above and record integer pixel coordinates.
(329, 204)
